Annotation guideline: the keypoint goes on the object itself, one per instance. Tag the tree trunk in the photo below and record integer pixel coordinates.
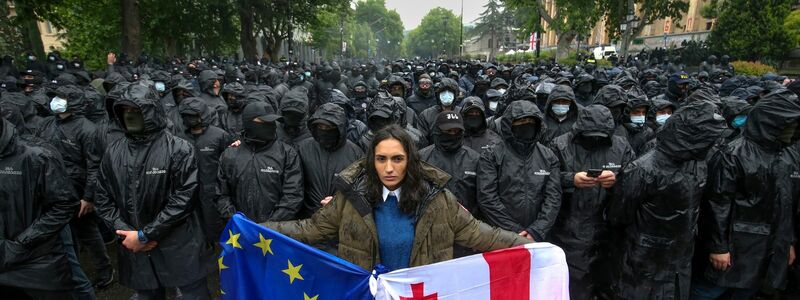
(170, 46)
(131, 29)
(564, 44)
(247, 36)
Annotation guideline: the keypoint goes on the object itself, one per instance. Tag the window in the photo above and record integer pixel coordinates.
(708, 25)
(48, 27)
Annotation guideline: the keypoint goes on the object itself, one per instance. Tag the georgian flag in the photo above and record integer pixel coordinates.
(535, 271)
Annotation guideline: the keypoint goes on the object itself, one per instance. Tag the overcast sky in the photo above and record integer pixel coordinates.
(412, 11)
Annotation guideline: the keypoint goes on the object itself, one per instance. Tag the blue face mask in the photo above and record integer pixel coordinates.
(308, 74)
(662, 119)
(160, 87)
(638, 120)
(560, 109)
(739, 121)
(447, 98)
(58, 105)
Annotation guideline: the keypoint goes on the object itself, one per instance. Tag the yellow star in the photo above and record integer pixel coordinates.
(233, 239)
(306, 297)
(264, 244)
(221, 265)
(221, 292)
(293, 272)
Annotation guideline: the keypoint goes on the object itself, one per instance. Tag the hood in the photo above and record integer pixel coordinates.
(74, 97)
(691, 131)
(473, 102)
(610, 96)
(196, 106)
(21, 101)
(659, 104)
(7, 138)
(517, 110)
(11, 113)
(743, 93)
(448, 84)
(733, 106)
(206, 80)
(66, 79)
(594, 118)
(146, 100)
(498, 82)
(561, 92)
(384, 106)
(704, 95)
(235, 88)
(770, 115)
(295, 99)
(730, 85)
(113, 79)
(339, 98)
(584, 78)
(186, 85)
(335, 114)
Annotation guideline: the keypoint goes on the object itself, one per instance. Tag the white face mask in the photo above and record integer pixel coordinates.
(447, 98)
(502, 91)
(493, 105)
(160, 87)
(58, 105)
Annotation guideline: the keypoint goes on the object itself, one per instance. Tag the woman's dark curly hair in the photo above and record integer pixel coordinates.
(413, 184)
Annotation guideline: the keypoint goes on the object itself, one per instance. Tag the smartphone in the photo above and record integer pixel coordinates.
(594, 172)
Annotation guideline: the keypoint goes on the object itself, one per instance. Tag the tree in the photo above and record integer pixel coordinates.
(764, 37)
(648, 11)
(327, 35)
(385, 24)
(10, 35)
(437, 35)
(792, 26)
(492, 22)
(569, 19)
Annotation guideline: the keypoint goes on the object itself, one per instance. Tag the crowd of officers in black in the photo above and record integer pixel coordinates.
(657, 184)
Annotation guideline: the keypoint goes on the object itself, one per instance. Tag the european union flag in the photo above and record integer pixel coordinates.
(259, 263)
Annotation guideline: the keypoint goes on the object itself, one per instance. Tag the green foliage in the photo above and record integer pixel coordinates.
(752, 68)
(710, 10)
(570, 18)
(437, 35)
(526, 57)
(648, 11)
(492, 22)
(10, 35)
(792, 26)
(764, 38)
(386, 25)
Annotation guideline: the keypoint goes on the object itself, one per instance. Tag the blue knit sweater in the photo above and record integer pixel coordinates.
(395, 234)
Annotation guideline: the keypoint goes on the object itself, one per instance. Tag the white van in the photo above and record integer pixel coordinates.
(603, 52)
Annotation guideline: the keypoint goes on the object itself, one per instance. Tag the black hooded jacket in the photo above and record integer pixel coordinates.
(355, 128)
(25, 105)
(206, 81)
(556, 127)
(320, 165)
(581, 228)
(482, 138)
(751, 197)
(73, 137)
(462, 166)
(294, 100)
(419, 102)
(656, 202)
(428, 117)
(520, 192)
(38, 201)
(147, 184)
(637, 136)
(208, 148)
(265, 183)
(232, 121)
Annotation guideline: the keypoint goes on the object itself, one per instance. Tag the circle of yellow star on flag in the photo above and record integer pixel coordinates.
(306, 297)
(293, 272)
(233, 239)
(264, 245)
(221, 265)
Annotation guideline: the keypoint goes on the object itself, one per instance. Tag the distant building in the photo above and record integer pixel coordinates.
(691, 26)
(482, 45)
(49, 34)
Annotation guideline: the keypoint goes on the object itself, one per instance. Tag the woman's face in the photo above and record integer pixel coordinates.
(390, 163)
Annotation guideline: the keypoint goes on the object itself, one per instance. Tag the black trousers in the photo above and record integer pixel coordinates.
(86, 234)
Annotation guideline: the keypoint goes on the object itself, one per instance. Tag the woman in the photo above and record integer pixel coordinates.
(392, 209)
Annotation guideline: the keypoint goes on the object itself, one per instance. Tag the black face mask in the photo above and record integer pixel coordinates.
(134, 122)
(292, 119)
(378, 123)
(585, 88)
(524, 132)
(450, 142)
(473, 123)
(192, 121)
(593, 142)
(260, 134)
(360, 95)
(236, 105)
(327, 139)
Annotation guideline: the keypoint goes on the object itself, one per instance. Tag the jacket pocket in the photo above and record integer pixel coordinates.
(753, 228)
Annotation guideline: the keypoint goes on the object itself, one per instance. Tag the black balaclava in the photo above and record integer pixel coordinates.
(450, 142)
(292, 122)
(474, 123)
(327, 139)
(524, 137)
(134, 122)
(260, 134)
(191, 121)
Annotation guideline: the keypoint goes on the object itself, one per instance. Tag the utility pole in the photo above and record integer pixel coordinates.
(461, 40)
